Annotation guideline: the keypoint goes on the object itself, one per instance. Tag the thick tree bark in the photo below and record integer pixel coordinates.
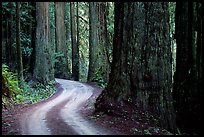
(93, 39)
(75, 48)
(141, 66)
(18, 43)
(62, 69)
(98, 59)
(103, 64)
(187, 83)
(43, 66)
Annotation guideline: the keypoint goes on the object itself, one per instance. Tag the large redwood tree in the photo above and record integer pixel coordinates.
(188, 87)
(43, 70)
(62, 69)
(141, 67)
(98, 42)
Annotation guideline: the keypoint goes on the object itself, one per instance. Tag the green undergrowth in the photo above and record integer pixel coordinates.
(99, 80)
(10, 86)
(20, 92)
(34, 95)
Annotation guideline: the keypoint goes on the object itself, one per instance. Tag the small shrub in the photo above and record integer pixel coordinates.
(99, 80)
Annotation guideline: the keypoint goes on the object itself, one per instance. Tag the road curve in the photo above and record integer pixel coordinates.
(60, 115)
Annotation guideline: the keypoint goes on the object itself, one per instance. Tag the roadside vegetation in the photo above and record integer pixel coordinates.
(22, 92)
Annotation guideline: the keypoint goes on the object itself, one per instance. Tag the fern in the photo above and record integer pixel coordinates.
(12, 93)
(10, 87)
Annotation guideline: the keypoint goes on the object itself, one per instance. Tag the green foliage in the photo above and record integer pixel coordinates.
(26, 23)
(146, 132)
(83, 39)
(22, 94)
(98, 78)
(12, 80)
(56, 56)
(52, 14)
(10, 86)
(25, 41)
(34, 95)
(6, 8)
(27, 51)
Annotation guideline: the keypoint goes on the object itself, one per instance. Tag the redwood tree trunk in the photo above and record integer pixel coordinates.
(61, 67)
(43, 70)
(98, 56)
(103, 63)
(33, 38)
(18, 43)
(187, 81)
(93, 39)
(141, 67)
(75, 48)
(10, 38)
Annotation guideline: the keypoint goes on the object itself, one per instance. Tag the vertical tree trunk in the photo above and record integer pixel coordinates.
(75, 48)
(18, 43)
(3, 43)
(141, 66)
(98, 59)
(78, 42)
(103, 64)
(11, 60)
(199, 61)
(61, 67)
(187, 84)
(52, 33)
(43, 66)
(93, 39)
(154, 69)
(7, 43)
(33, 38)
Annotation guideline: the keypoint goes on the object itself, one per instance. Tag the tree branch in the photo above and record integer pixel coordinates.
(82, 19)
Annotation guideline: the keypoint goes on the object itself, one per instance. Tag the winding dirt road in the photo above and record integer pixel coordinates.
(60, 115)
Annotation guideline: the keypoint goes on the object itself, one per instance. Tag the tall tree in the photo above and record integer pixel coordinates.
(62, 69)
(77, 40)
(93, 39)
(52, 34)
(33, 38)
(83, 40)
(3, 44)
(103, 61)
(187, 81)
(141, 61)
(10, 37)
(98, 56)
(18, 43)
(43, 70)
(75, 48)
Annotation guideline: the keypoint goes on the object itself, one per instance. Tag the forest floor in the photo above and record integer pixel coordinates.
(24, 119)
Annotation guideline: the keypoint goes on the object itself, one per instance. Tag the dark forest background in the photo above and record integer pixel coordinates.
(149, 54)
